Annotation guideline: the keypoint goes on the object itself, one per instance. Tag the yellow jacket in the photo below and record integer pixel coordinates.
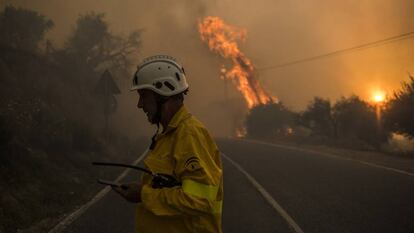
(186, 151)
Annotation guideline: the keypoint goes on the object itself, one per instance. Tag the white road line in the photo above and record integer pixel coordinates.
(333, 156)
(267, 197)
(74, 215)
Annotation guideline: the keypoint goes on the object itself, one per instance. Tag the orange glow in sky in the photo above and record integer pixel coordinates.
(378, 96)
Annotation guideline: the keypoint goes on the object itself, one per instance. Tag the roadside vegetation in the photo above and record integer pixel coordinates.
(51, 119)
(350, 122)
(52, 123)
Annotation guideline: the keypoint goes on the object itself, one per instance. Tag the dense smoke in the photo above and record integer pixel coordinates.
(277, 32)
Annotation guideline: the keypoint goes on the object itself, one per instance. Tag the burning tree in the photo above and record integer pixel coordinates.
(222, 39)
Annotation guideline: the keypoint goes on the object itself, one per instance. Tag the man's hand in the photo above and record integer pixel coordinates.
(131, 192)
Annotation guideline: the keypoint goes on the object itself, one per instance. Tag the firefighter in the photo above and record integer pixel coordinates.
(183, 150)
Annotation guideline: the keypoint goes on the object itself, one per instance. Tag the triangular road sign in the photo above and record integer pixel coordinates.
(106, 85)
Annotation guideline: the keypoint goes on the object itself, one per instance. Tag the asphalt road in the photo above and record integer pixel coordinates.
(319, 193)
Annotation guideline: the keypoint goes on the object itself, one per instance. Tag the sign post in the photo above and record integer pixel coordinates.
(106, 89)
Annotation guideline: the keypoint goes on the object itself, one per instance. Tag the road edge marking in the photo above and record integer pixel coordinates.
(331, 155)
(75, 214)
(267, 196)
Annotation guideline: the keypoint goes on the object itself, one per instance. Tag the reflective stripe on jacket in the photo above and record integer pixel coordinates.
(186, 151)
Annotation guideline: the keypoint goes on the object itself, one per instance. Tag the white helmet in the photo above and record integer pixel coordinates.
(161, 74)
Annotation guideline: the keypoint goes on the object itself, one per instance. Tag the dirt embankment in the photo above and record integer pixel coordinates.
(39, 187)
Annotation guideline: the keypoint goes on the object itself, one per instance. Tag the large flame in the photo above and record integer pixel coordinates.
(221, 38)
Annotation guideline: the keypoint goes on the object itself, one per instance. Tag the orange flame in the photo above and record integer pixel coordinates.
(221, 38)
(241, 132)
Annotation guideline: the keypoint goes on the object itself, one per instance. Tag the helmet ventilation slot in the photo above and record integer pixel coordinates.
(172, 88)
(158, 85)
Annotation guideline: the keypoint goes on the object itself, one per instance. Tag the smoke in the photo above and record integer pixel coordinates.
(400, 144)
(277, 32)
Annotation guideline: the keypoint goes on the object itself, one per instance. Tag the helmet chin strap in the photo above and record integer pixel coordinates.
(157, 119)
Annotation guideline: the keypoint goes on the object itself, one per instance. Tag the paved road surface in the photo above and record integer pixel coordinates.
(320, 194)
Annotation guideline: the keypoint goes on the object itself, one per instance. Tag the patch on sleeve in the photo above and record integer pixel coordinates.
(192, 164)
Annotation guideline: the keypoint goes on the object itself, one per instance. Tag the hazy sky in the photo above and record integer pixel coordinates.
(277, 32)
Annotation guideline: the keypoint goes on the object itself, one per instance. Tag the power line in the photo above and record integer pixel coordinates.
(377, 43)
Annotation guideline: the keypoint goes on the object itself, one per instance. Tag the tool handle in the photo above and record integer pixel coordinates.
(122, 165)
(160, 180)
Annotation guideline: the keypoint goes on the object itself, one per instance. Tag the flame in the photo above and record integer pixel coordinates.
(241, 132)
(221, 38)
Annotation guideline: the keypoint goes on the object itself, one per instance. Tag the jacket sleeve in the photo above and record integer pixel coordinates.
(196, 168)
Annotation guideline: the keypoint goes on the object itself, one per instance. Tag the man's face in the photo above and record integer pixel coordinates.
(147, 101)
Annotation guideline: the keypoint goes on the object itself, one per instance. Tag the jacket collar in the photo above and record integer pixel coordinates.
(178, 117)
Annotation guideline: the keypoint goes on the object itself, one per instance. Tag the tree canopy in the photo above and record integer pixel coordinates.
(23, 29)
(399, 113)
(355, 119)
(93, 44)
(269, 120)
(317, 116)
